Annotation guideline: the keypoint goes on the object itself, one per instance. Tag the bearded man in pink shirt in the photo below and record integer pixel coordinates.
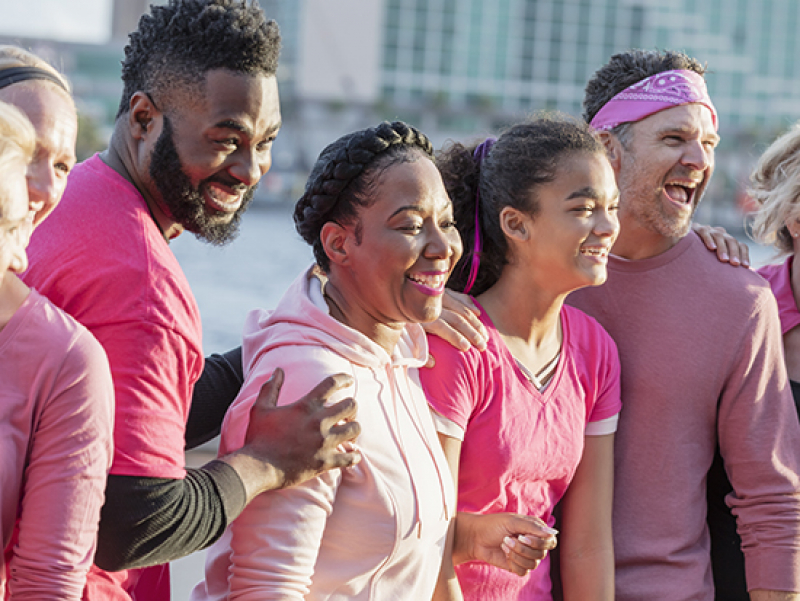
(700, 350)
(193, 136)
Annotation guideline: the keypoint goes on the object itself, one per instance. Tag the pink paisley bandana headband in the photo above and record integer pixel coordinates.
(653, 94)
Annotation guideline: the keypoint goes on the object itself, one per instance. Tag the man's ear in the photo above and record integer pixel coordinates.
(515, 224)
(334, 242)
(613, 149)
(142, 115)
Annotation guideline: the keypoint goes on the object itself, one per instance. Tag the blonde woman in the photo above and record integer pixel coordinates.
(775, 185)
(55, 408)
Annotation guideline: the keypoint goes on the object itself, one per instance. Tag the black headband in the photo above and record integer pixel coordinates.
(14, 75)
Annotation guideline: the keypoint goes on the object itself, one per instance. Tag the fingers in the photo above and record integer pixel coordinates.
(521, 557)
(525, 552)
(456, 301)
(727, 247)
(344, 410)
(270, 390)
(340, 460)
(462, 330)
(320, 394)
(344, 431)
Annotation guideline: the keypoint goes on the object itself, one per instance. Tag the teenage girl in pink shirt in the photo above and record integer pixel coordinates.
(530, 421)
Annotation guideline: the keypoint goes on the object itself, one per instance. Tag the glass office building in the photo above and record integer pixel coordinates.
(511, 56)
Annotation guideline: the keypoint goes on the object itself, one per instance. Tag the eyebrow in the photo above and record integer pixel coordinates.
(688, 130)
(414, 208)
(237, 126)
(587, 192)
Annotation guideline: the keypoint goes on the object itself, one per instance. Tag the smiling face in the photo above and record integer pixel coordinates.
(664, 170)
(52, 113)
(401, 248)
(211, 153)
(569, 237)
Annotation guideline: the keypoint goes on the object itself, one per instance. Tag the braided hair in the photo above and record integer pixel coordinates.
(525, 156)
(345, 175)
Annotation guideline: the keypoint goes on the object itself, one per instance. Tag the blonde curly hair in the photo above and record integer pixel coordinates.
(775, 186)
(17, 140)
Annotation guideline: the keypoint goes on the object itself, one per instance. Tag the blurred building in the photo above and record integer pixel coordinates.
(461, 59)
(462, 68)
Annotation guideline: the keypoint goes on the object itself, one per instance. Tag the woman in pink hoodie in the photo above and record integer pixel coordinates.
(381, 226)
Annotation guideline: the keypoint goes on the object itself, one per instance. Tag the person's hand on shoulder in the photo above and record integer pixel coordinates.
(458, 323)
(728, 248)
(290, 444)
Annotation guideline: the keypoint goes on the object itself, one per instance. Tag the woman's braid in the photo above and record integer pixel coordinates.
(340, 180)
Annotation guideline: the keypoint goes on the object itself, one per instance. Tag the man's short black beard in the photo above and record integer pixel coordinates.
(184, 201)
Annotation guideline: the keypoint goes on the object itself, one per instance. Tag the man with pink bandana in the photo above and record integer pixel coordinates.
(700, 349)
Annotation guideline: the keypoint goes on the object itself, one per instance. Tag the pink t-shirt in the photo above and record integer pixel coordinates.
(780, 280)
(101, 258)
(521, 446)
(56, 419)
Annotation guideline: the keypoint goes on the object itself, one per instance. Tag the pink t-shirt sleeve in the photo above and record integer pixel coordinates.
(606, 393)
(151, 390)
(452, 385)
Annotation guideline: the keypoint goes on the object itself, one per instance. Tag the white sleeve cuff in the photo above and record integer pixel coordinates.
(447, 426)
(603, 427)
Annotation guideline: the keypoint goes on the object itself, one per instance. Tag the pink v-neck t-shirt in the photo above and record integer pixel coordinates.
(521, 446)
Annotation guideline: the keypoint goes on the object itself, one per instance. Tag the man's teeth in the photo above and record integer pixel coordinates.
(431, 281)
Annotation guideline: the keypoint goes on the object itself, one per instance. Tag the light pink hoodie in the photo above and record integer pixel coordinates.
(373, 531)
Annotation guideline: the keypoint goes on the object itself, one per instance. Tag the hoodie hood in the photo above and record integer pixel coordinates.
(302, 317)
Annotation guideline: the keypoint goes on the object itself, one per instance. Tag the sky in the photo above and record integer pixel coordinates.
(86, 21)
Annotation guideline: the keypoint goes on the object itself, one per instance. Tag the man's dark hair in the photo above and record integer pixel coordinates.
(627, 68)
(178, 43)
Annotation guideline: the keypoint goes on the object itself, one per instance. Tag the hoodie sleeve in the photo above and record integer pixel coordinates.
(276, 539)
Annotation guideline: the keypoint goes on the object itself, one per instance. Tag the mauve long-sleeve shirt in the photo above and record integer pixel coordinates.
(702, 364)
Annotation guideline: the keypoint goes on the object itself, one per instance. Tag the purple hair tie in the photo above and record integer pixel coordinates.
(480, 154)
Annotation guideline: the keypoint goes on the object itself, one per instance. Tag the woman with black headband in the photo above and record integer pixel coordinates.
(56, 400)
(530, 421)
(43, 95)
(56, 410)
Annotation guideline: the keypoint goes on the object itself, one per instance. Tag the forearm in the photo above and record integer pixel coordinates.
(761, 595)
(588, 573)
(213, 393)
(447, 588)
(587, 550)
(147, 521)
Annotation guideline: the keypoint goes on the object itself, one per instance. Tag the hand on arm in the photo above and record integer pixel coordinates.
(290, 444)
(587, 552)
(729, 249)
(509, 541)
(458, 324)
(512, 542)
